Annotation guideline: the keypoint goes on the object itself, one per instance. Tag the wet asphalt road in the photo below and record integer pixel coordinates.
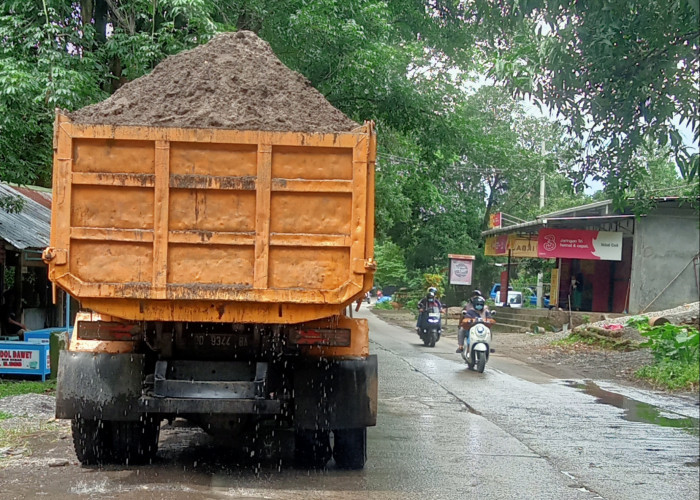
(443, 432)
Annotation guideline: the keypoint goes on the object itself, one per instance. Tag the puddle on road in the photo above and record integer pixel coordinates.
(636, 411)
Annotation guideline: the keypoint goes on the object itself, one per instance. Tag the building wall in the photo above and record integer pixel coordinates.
(621, 277)
(665, 243)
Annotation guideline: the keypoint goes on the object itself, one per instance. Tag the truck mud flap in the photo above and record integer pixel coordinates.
(336, 394)
(99, 386)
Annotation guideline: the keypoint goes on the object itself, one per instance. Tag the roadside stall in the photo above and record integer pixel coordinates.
(28, 344)
(606, 260)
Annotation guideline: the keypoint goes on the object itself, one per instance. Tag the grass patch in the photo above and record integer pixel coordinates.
(575, 338)
(672, 375)
(12, 438)
(385, 306)
(17, 387)
(4, 416)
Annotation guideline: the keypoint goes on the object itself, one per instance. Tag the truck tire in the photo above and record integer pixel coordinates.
(312, 448)
(135, 442)
(350, 448)
(90, 440)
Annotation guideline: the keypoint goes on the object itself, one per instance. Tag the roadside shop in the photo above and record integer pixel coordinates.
(608, 260)
(27, 295)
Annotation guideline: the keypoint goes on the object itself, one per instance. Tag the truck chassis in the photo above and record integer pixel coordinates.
(119, 380)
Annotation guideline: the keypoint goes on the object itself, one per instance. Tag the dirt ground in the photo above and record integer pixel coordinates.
(578, 360)
(37, 449)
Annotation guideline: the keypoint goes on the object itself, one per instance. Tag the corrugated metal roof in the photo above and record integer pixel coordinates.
(40, 195)
(596, 208)
(30, 228)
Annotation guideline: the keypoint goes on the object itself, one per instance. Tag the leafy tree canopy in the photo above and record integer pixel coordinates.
(619, 72)
(623, 75)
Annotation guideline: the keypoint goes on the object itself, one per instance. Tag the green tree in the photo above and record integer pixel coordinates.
(619, 72)
(391, 265)
(58, 54)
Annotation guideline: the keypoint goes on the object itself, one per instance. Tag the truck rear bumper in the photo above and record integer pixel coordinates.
(182, 406)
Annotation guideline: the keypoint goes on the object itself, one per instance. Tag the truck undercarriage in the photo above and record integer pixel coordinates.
(119, 380)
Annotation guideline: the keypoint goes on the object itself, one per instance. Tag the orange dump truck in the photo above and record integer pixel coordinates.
(214, 268)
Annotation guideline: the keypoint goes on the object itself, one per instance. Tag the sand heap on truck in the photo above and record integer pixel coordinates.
(233, 82)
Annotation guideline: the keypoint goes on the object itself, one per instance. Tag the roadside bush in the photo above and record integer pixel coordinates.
(672, 375)
(668, 341)
(676, 352)
(412, 305)
(384, 306)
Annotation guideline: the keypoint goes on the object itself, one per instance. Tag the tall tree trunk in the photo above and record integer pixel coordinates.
(489, 204)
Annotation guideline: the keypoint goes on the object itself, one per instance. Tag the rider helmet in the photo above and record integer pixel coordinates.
(432, 292)
(477, 293)
(478, 303)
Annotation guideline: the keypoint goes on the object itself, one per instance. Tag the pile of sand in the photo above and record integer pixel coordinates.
(233, 82)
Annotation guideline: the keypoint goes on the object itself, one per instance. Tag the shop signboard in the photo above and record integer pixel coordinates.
(519, 246)
(579, 244)
(523, 246)
(496, 245)
(554, 288)
(461, 269)
(25, 358)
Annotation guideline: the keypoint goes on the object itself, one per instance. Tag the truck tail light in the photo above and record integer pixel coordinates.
(107, 330)
(318, 336)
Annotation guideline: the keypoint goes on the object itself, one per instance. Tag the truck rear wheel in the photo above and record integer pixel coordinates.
(312, 448)
(350, 448)
(97, 442)
(135, 442)
(90, 441)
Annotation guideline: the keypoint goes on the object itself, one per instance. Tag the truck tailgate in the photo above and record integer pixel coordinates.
(206, 224)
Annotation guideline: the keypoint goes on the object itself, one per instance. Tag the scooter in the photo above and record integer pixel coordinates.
(430, 325)
(478, 342)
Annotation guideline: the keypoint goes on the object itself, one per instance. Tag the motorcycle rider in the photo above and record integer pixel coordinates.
(469, 305)
(430, 298)
(478, 309)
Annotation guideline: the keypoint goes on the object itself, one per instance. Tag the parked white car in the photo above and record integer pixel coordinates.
(515, 299)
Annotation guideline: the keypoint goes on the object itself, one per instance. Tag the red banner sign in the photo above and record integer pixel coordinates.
(495, 220)
(579, 244)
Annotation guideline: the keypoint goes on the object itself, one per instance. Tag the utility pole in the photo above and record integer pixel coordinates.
(540, 288)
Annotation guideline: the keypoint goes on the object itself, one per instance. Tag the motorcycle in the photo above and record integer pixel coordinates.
(430, 325)
(478, 342)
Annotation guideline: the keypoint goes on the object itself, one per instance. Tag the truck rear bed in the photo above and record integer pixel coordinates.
(172, 224)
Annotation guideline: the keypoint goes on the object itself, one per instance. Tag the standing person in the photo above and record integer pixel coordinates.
(577, 291)
(10, 325)
(429, 300)
(478, 310)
